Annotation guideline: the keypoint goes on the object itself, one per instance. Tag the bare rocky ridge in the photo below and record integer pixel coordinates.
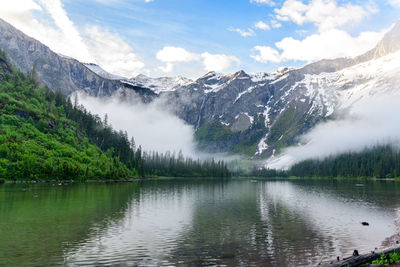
(58, 72)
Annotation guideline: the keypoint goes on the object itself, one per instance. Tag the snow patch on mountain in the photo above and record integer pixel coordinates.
(366, 95)
(247, 91)
(101, 72)
(159, 85)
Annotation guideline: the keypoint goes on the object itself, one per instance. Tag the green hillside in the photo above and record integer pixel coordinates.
(44, 136)
(38, 141)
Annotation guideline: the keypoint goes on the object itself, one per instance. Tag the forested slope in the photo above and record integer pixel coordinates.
(45, 136)
(39, 141)
(380, 161)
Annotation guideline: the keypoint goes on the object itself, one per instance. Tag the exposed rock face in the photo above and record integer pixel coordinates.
(242, 110)
(255, 114)
(158, 85)
(57, 72)
(260, 113)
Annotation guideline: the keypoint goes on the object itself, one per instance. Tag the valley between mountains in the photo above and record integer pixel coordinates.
(257, 115)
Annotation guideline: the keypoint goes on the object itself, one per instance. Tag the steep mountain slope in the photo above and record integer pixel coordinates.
(158, 85)
(39, 140)
(101, 72)
(259, 114)
(256, 114)
(56, 72)
(60, 73)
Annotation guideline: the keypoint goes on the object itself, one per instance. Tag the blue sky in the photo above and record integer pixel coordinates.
(189, 38)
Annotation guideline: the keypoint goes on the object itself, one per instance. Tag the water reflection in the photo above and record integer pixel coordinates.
(40, 224)
(319, 224)
(193, 222)
(149, 230)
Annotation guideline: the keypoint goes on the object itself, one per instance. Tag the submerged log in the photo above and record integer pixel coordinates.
(357, 260)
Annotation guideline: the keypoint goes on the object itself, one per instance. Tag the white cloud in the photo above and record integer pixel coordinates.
(262, 26)
(218, 62)
(370, 122)
(172, 55)
(160, 130)
(59, 33)
(327, 45)
(112, 53)
(325, 14)
(330, 41)
(330, 44)
(169, 67)
(267, 2)
(175, 54)
(19, 7)
(395, 3)
(75, 46)
(275, 24)
(63, 40)
(243, 33)
(266, 54)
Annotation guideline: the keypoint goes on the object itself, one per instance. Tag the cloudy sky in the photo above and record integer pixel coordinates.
(192, 37)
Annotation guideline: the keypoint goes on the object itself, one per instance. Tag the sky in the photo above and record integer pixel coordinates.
(192, 37)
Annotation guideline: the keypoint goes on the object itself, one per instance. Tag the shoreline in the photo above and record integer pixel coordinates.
(102, 181)
(362, 259)
(165, 177)
(74, 181)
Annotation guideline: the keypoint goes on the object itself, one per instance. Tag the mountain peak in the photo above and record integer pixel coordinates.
(241, 73)
(160, 84)
(209, 74)
(390, 42)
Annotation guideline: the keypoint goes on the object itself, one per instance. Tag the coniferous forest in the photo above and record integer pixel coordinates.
(43, 135)
(379, 161)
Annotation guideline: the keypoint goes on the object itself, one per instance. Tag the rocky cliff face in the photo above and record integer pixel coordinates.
(57, 72)
(254, 114)
(258, 114)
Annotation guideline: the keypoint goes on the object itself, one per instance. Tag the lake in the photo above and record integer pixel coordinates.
(179, 222)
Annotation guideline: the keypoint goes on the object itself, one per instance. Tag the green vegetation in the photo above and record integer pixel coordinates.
(251, 138)
(387, 259)
(281, 125)
(379, 161)
(44, 136)
(263, 172)
(221, 137)
(213, 132)
(38, 140)
(167, 164)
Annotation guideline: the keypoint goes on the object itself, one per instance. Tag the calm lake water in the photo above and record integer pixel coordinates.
(179, 222)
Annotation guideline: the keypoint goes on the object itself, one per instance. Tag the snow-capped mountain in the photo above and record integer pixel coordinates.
(158, 85)
(101, 72)
(255, 114)
(259, 114)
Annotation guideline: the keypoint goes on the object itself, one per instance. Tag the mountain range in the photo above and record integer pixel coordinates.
(253, 114)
